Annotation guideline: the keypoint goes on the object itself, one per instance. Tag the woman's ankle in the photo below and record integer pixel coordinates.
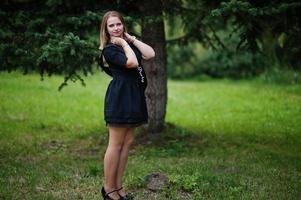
(109, 188)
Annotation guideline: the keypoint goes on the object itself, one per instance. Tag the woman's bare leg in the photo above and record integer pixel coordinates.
(112, 157)
(129, 139)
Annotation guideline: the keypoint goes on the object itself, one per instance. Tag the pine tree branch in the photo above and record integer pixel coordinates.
(217, 38)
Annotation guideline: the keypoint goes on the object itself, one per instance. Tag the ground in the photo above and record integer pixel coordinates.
(223, 139)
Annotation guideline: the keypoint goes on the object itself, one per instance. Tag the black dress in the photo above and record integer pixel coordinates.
(125, 103)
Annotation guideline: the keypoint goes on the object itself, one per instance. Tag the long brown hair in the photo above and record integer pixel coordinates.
(104, 35)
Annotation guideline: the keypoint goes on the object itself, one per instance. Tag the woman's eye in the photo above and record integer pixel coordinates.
(111, 25)
(119, 24)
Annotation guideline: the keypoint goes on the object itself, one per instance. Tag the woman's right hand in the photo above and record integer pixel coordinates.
(118, 41)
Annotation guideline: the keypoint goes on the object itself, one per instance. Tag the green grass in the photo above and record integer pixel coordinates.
(223, 140)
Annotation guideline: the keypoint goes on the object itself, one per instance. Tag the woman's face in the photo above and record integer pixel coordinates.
(114, 26)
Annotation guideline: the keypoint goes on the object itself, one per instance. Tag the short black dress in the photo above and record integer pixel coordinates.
(125, 103)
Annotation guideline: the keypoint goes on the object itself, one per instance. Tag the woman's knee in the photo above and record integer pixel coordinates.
(129, 138)
(116, 139)
(130, 141)
(115, 146)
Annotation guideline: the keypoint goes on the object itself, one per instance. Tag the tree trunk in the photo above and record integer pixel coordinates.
(156, 69)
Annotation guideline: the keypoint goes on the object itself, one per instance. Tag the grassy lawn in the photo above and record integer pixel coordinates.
(223, 140)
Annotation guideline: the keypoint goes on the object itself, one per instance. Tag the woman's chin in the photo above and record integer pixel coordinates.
(117, 35)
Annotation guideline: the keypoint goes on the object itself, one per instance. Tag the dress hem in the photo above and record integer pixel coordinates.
(125, 125)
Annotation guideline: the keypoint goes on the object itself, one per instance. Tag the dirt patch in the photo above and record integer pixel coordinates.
(54, 145)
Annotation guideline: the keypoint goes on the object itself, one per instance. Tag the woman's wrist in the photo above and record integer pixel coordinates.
(124, 44)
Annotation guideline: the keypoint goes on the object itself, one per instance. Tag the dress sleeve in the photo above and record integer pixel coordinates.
(115, 56)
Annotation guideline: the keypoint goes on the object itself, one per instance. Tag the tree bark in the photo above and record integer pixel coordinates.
(156, 70)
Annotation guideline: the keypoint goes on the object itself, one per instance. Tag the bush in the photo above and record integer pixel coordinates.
(193, 61)
(236, 65)
(281, 76)
(181, 61)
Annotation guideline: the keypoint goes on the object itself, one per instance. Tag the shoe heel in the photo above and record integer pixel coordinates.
(105, 194)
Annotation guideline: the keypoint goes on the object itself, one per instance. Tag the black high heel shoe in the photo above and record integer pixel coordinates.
(105, 194)
(126, 197)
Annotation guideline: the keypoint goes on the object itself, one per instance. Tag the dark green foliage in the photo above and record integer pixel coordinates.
(66, 54)
(266, 31)
(55, 36)
(52, 37)
(185, 63)
(61, 37)
(270, 27)
(193, 60)
(281, 77)
(239, 64)
(179, 61)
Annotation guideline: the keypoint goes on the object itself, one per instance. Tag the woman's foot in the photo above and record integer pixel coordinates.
(123, 195)
(110, 195)
(121, 192)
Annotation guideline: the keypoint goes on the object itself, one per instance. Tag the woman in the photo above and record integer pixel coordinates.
(125, 106)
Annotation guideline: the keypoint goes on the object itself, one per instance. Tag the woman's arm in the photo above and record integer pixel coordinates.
(132, 61)
(146, 50)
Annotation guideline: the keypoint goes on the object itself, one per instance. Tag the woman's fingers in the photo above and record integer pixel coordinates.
(117, 40)
(128, 36)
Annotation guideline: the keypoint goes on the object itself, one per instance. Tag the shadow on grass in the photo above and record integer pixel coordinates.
(177, 141)
(173, 139)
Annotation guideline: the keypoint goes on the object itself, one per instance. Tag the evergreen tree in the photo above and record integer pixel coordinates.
(54, 37)
(272, 28)
(61, 37)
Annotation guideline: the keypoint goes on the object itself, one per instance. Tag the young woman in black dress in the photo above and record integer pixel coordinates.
(125, 105)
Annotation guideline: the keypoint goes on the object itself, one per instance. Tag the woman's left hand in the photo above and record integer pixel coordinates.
(118, 41)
